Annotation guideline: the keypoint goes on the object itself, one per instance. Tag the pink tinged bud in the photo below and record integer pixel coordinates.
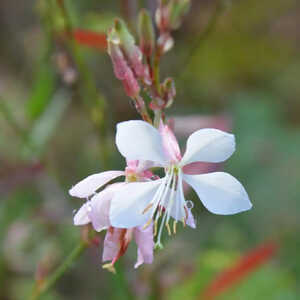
(146, 33)
(162, 18)
(118, 60)
(169, 91)
(132, 53)
(121, 68)
(165, 43)
(178, 10)
(130, 84)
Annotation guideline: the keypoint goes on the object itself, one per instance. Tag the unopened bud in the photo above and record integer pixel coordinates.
(121, 68)
(162, 18)
(170, 13)
(169, 91)
(178, 10)
(146, 33)
(165, 43)
(130, 84)
(119, 63)
(132, 53)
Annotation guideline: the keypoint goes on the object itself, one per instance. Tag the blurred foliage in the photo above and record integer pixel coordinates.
(62, 114)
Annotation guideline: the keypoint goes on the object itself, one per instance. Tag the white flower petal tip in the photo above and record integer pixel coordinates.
(138, 140)
(209, 145)
(90, 184)
(128, 204)
(82, 217)
(220, 192)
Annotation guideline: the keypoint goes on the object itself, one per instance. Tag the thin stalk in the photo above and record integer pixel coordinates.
(11, 120)
(157, 118)
(42, 287)
(87, 88)
(142, 109)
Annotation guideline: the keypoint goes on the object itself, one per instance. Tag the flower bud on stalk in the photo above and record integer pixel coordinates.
(170, 13)
(178, 10)
(121, 68)
(146, 33)
(165, 43)
(168, 91)
(131, 52)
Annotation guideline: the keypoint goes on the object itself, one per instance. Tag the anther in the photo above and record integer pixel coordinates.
(110, 267)
(168, 228)
(155, 228)
(147, 208)
(174, 226)
(147, 224)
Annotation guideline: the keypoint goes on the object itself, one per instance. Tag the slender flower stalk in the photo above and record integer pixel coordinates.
(47, 283)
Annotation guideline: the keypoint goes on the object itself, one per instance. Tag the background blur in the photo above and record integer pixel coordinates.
(236, 65)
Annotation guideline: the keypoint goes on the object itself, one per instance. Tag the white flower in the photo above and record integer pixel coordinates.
(140, 203)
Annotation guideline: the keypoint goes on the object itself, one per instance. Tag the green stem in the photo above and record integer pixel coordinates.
(42, 287)
(9, 117)
(156, 72)
(157, 118)
(96, 103)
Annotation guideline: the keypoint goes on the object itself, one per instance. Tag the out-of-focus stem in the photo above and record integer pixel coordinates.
(95, 101)
(8, 116)
(42, 287)
(156, 72)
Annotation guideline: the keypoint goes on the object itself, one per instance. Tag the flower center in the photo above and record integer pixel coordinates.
(168, 200)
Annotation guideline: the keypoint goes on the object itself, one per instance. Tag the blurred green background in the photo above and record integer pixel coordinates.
(236, 60)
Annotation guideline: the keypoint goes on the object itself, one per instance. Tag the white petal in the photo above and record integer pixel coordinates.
(128, 204)
(90, 184)
(82, 217)
(100, 205)
(220, 192)
(140, 140)
(208, 145)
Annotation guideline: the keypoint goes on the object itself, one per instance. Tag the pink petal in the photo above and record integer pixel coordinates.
(190, 219)
(111, 244)
(201, 167)
(145, 243)
(116, 243)
(170, 143)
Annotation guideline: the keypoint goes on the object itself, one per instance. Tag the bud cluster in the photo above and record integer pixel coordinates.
(137, 65)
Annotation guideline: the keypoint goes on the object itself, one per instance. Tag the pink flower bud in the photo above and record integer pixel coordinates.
(130, 84)
(165, 43)
(146, 33)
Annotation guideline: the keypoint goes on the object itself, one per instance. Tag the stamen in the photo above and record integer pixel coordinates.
(162, 202)
(147, 208)
(147, 224)
(168, 228)
(110, 267)
(174, 226)
(155, 228)
(183, 222)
